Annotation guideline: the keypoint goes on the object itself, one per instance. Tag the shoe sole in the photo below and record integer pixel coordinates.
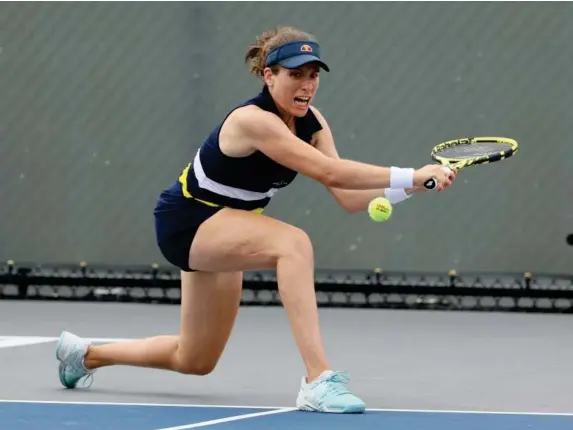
(349, 410)
(302, 405)
(61, 373)
(62, 365)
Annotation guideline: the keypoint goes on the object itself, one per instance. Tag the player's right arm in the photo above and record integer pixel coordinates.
(268, 134)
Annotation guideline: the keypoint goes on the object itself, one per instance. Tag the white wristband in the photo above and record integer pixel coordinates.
(401, 178)
(396, 195)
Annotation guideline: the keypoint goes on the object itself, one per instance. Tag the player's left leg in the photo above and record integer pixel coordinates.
(209, 306)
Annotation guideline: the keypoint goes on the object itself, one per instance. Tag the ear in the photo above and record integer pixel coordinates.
(268, 76)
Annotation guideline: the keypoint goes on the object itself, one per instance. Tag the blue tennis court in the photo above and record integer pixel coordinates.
(512, 375)
(97, 416)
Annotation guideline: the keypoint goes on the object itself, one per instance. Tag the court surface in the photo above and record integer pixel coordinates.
(415, 370)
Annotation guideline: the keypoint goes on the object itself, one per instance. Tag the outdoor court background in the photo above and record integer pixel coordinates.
(100, 103)
(398, 360)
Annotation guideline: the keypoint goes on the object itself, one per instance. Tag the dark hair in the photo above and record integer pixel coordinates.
(265, 42)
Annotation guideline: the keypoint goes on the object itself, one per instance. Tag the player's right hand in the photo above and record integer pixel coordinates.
(442, 174)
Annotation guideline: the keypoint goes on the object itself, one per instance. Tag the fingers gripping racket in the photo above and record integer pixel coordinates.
(471, 151)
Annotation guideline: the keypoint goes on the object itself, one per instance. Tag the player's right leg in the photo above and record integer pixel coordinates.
(234, 240)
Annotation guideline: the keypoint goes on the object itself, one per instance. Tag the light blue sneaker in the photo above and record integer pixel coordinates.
(70, 351)
(328, 393)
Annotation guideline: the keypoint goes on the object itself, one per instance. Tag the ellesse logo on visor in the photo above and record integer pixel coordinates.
(306, 48)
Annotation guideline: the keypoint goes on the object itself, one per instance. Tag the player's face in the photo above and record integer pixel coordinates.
(294, 89)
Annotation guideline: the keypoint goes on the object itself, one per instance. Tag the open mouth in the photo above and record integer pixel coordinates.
(302, 101)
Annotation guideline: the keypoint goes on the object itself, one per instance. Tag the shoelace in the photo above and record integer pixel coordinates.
(336, 383)
(87, 380)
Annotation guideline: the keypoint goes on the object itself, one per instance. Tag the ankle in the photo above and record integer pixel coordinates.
(314, 374)
(89, 362)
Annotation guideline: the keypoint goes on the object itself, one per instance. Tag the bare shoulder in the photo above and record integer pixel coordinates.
(250, 128)
(252, 120)
(243, 128)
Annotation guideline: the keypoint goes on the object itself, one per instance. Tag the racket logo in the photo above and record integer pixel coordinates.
(306, 48)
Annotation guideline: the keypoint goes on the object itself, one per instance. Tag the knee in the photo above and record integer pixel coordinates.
(194, 364)
(196, 367)
(297, 244)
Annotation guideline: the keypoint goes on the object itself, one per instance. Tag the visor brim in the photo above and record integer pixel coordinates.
(301, 60)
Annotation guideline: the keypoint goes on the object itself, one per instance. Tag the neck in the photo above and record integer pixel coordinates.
(287, 118)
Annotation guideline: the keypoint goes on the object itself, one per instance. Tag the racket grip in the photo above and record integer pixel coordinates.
(431, 184)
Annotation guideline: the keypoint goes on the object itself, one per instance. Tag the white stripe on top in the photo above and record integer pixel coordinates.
(226, 190)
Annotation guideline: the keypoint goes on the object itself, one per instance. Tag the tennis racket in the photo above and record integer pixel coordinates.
(471, 151)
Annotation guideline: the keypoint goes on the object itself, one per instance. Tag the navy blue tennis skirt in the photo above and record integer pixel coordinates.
(177, 220)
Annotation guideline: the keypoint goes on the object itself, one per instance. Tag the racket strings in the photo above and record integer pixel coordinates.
(474, 150)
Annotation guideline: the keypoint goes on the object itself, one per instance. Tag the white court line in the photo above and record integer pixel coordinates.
(15, 341)
(181, 405)
(157, 405)
(445, 411)
(228, 419)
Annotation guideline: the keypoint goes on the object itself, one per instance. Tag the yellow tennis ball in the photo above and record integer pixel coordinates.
(379, 209)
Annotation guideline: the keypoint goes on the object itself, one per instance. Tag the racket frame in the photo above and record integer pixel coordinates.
(460, 163)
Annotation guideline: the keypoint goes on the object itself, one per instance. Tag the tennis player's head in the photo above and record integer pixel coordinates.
(288, 60)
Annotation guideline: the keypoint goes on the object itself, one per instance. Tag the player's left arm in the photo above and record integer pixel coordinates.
(351, 201)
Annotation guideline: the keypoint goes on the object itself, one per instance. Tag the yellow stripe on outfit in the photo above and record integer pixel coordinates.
(187, 194)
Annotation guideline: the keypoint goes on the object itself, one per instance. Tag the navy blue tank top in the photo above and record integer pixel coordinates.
(241, 182)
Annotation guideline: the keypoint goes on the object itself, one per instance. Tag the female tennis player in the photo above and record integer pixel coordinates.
(209, 223)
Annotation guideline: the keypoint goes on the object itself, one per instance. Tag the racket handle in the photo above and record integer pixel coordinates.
(431, 184)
